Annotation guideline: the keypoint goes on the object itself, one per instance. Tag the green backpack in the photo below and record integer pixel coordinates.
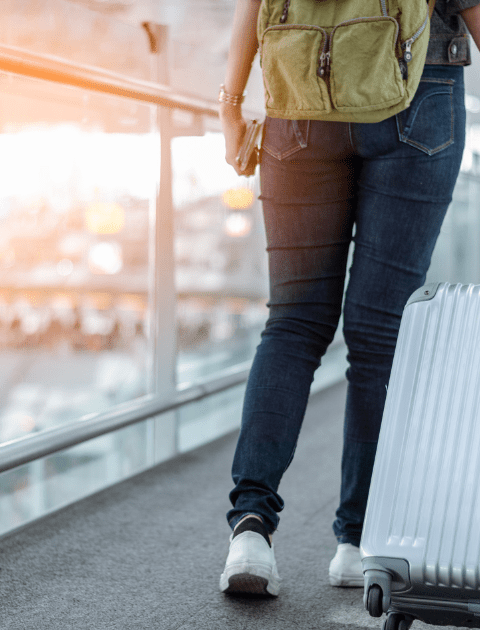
(347, 60)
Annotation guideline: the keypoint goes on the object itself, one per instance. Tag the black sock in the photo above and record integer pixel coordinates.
(252, 524)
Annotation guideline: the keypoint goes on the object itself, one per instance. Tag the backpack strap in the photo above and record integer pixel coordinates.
(431, 6)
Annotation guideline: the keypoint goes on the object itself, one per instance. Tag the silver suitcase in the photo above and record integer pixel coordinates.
(421, 538)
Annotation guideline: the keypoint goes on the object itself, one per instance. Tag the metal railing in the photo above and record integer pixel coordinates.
(29, 448)
(57, 70)
(37, 445)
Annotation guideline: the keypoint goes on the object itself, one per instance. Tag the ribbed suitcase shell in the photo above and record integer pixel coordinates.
(424, 501)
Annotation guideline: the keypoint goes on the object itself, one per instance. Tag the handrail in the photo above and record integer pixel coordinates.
(34, 446)
(59, 70)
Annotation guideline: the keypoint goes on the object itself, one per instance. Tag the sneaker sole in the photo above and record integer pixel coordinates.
(249, 583)
(352, 582)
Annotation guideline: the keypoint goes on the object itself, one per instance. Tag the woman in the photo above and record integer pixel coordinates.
(393, 182)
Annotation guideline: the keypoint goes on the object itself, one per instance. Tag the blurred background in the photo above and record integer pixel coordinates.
(132, 257)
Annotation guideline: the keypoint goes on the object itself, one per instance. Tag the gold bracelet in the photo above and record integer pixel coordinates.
(231, 99)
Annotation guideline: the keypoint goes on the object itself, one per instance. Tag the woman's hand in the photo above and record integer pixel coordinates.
(243, 47)
(233, 126)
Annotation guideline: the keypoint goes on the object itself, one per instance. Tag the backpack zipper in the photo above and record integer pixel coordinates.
(407, 45)
(324, 66)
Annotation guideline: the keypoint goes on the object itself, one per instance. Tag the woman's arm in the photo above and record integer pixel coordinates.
(472, 20)
(243, 48)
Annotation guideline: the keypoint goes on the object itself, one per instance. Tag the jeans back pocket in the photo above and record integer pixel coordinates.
(285, 137)
(428, 123)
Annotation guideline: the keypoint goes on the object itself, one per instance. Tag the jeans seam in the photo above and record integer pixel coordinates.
(278, 389)
(397, 196)
(441, 81)
(350, 136)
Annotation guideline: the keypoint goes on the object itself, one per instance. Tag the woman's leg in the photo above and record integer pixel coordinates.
(307, 174)
(410, 164)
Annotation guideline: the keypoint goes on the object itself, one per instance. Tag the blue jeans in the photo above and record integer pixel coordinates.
(392, 181)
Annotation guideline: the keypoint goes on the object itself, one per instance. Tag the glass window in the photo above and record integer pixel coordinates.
(206, 420)
(49, 483)
(456, 257)
(77, 209)
(221, 265)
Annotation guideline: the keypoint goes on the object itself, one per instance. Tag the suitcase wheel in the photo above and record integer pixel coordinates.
(374, 601)
(377, 589)
(395, 621)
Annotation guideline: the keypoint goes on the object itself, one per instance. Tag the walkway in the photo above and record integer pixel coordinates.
(148, 552)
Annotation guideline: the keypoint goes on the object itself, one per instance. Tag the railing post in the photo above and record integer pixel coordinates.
(163, 283)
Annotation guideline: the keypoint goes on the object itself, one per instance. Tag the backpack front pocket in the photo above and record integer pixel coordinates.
(364, 69)
(290, 57)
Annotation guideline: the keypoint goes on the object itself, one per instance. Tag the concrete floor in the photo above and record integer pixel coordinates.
(148, 552)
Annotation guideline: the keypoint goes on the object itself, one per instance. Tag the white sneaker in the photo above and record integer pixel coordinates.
(346, 567)
(250, 566)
